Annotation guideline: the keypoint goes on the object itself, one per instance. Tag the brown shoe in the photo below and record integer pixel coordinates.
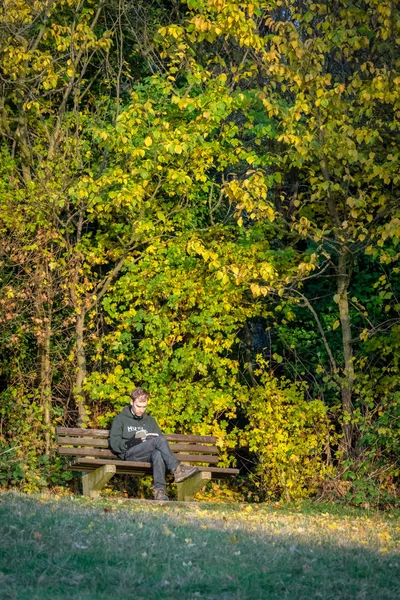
(183, 472)
(160, 495)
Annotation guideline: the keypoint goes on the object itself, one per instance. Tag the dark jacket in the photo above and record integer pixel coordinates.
(125, 425)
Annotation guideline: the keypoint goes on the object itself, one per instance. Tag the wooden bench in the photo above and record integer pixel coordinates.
(92, 456)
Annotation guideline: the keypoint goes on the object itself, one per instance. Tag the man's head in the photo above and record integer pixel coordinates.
(139, 401)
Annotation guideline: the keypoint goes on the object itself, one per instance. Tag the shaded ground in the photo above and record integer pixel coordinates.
(92, 550)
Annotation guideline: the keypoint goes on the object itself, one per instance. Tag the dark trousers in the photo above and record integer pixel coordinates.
(158, 453)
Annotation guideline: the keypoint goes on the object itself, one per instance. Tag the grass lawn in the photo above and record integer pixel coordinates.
(53, 548)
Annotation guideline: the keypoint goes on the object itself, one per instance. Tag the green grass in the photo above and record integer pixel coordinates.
(92, 550)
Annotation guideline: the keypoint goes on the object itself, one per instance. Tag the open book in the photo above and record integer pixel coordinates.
(145, 436)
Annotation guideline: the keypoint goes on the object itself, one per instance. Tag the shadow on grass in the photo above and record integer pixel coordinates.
(92, 551)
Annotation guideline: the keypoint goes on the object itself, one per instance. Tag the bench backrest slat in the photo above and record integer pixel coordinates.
(77, 442)
(199, 439)
(104, 433)
(103, 453)
(75, 431)
(82, 441)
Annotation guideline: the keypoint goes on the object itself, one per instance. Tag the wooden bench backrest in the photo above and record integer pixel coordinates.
(94, 443)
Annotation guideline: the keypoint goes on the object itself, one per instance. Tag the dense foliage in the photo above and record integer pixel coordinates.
(201, 197)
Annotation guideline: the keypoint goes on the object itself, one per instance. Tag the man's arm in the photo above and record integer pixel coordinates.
(155, 428)
(116, 442)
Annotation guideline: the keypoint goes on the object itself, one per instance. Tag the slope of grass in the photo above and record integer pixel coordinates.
(89, 550)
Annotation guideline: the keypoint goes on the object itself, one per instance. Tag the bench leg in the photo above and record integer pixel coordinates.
(93, 482)
(188, 488)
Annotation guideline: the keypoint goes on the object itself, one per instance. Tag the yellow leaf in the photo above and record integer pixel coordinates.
(233, 539)
(167, 531)
(148, 141)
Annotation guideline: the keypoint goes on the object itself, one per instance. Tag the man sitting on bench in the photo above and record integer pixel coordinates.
(135, 436)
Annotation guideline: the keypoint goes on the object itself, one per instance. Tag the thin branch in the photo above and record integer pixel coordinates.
(320, 328)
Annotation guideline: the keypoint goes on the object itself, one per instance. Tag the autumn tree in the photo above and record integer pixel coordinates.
(322, 86)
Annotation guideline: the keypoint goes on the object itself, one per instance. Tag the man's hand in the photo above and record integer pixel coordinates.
(133, 441)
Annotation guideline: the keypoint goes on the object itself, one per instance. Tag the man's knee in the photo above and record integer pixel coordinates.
(152, 444)
(160, 442)
(156, 456)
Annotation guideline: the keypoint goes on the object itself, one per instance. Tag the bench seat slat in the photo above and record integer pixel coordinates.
(98, 462)
(216, 474)
(129, 467)
(195, 458)
(104, 433)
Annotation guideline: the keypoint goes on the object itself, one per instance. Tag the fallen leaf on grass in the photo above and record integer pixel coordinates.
(167, 531)
(37, 535)
(80, 546)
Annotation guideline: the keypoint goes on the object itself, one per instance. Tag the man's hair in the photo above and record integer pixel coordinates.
(139, 393)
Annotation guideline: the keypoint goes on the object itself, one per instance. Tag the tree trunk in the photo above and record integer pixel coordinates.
(248, 355)
(43, 307)
(80, 369)
(343, 281)
(45, 383)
